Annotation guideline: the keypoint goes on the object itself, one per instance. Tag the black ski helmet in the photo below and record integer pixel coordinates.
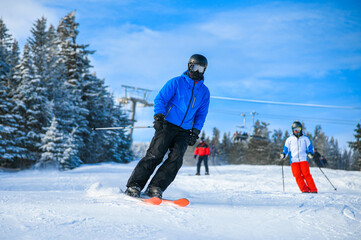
(297, 124)
(197, 59)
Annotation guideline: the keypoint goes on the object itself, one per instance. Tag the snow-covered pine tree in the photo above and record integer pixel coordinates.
(10, 151)
(45, 56)
(55, 72)
(259, 147)
(215, 137)
(32, 105)
(5, 54)
(76, 62)
(53, 147)
(225, 147)
(118, 144)
(104, 146)
(95, 102)
(333, 155)
(70, 158)
(346, 159)
(356, 147)
(320, 140)
(13, 62)
(277, 146)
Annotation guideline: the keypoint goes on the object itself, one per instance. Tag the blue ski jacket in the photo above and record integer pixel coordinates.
(184, 102)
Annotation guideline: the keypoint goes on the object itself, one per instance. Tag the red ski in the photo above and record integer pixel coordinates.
(147, 200)
(152, 201)
(182, 202)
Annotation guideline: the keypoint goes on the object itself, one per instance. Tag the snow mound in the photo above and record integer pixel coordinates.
(97, 190)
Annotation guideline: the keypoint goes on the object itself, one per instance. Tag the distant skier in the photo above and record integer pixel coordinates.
(324, 161)
(213, 154)
(317, 158)
(202, 150)
(300, 149)
(180, 110)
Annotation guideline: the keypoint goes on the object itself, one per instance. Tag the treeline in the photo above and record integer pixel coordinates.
(264, 147)
(50, 102)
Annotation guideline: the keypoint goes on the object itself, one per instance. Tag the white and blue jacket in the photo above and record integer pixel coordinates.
(184, 102)
(298, 148)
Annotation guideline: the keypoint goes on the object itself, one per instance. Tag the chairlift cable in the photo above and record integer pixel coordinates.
(286, 103)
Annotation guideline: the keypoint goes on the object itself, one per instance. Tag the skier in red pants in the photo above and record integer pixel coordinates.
(300, 149)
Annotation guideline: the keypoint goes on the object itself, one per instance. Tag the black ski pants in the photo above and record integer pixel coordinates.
(172, 138)
(203, 158)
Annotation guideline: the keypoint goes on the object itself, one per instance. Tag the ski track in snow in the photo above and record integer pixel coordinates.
(234, 202)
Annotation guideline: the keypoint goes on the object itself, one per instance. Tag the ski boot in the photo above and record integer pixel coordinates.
(133, 191)
(154, 192)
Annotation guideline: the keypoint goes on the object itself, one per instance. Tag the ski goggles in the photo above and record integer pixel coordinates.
(297, 129)
(199, 68)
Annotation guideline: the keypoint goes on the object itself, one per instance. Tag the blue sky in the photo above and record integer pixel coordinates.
(285, 51)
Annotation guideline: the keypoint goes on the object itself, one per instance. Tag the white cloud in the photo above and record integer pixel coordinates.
(261, 42)
(20, 15)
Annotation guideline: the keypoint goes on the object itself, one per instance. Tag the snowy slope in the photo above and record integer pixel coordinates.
(234, 202)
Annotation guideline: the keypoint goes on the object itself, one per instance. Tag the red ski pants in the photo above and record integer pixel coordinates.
(301, 171)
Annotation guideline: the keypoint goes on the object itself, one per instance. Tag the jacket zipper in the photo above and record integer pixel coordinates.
(189, 104)
(194, 100)
(168, 111)
(298, 152)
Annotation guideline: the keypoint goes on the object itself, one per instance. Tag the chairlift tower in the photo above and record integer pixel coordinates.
(253, 113)
(244, 119)
(135, 95)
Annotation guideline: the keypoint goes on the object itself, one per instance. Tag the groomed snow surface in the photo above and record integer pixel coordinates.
(234, 202)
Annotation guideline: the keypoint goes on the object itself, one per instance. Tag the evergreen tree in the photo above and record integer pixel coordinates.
(14, 60)
(5, 55)
(277, 146)
(215, 138)
(120, 144)
(70, 158)
(225, 147)
(110, 145)
(346, 160)
(237, 153)
(10, 151)
(76, 62)
(333, 155)
(53, 147)
(45, 55)
(356, 147)
(320, 140)
(259, 147)
(32, 105)
(98, 103)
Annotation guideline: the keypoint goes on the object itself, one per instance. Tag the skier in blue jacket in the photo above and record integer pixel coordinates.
(180, 110)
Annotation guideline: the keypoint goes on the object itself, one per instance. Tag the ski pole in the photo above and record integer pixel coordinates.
(283, 178)
(128, 127)
(328, 179)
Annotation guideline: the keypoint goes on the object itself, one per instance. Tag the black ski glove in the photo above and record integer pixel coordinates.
(193, 136)
(158, 121)
(282, 156)
(310, 155)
